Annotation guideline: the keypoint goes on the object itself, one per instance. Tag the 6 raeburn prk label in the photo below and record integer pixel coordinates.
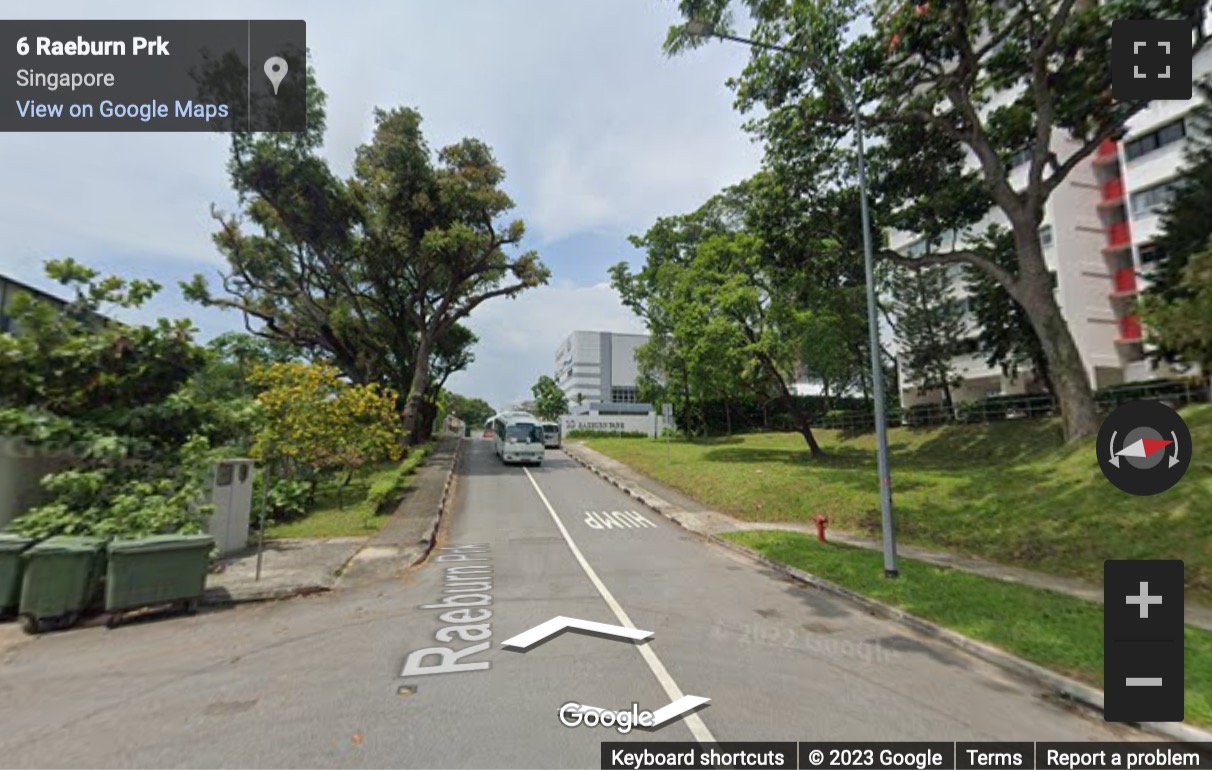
(144, 75)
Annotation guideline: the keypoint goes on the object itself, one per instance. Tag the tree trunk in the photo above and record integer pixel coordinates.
(423, 430)
(416, 391)
(802, 423)
(728, 416)
(686, 405)
(1069, 379)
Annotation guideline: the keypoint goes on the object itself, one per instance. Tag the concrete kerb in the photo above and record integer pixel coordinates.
(436, 522)
(1067, 688)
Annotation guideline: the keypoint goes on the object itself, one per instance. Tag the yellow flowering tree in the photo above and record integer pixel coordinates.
(317, 421)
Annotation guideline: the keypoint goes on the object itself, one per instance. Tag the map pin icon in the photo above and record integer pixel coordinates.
(275, 70)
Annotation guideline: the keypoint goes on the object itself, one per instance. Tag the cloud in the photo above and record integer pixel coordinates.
(519, 337)
(599, 131)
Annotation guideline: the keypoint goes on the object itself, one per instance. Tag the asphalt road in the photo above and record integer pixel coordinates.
(317, 682)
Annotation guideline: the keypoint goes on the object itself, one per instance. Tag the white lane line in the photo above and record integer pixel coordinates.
(693, 721)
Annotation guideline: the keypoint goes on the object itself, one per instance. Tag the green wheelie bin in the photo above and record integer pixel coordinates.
(157, 570)
(62, 579)
(11, 547)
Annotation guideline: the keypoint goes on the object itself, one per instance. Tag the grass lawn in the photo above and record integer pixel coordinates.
(356, 518)
(1009, 491)
(1059, 632)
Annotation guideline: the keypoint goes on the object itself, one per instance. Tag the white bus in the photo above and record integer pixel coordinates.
(518, 438)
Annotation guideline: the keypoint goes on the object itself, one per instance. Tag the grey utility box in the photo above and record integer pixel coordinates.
(230, 491)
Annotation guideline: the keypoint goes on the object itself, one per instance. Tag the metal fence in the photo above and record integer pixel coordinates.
(1176, 393)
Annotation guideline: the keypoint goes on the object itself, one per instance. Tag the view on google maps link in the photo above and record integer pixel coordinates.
(606, 384)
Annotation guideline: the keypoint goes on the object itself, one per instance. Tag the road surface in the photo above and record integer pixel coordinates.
(321, 681)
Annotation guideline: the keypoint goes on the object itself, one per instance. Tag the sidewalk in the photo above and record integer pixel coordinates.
(289, 567)
(693, 516)
(407, 537)
(296, 567)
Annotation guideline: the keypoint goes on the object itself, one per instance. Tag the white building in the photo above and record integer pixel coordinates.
(1097, 229)
(598, 373)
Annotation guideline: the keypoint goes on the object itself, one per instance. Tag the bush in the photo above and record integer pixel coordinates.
(605, 434)
(921, 415)
(288, 499)
(385, 493)
(1178, 392)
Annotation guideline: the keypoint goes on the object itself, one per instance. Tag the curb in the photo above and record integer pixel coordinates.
(219, 597)
(436, 521)
(1062, 685)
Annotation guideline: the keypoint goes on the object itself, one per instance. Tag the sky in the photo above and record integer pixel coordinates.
(599, 133)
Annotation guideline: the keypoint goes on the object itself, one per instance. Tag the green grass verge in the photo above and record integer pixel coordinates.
(1060, 632)
(1012, 492)
(359, 509)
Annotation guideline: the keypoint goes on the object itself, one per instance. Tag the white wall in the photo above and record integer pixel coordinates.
(648, 424)
(22, 468)
(623, 369)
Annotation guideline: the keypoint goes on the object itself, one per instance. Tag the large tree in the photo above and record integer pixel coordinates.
(374, 272)
(443, 220)
(925, 75)
(725, 312)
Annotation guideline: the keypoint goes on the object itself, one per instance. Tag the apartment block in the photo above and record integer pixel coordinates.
(1097, 234)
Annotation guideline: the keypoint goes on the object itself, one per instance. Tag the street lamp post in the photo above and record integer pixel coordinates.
(703, 29)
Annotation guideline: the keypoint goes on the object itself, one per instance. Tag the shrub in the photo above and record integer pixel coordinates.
(605, 434)
(387, 491)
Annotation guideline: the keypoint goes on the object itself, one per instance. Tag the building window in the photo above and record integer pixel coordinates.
(1045, 236)
(922, 246)
(1150, 253)
(1149, 200)
(967, 347)
(624, 396)
(1020, 158)
(1153, 140)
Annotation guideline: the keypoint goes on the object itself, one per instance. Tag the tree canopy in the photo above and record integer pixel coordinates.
(744, 295)
(942, 150)
(550, 402)
(108, 402)
(375, 272)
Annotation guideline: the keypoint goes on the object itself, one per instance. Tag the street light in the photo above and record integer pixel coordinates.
(704, 29)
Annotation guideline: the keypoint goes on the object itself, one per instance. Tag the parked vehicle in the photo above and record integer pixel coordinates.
(551, 435)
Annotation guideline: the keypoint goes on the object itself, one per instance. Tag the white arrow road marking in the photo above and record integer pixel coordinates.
(677, 708)
(546, 630)
(697, 728)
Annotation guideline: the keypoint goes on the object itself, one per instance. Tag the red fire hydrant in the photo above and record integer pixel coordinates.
(821, 523)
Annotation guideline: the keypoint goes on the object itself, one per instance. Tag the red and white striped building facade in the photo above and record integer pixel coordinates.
(1097, 232)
